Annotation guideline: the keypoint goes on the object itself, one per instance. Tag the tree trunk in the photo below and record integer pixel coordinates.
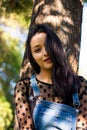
(65, 19)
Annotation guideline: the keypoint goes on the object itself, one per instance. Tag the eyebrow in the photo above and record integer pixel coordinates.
(36, 46)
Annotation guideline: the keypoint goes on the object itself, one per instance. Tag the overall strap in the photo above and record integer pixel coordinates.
(34, 86)
(76, 101)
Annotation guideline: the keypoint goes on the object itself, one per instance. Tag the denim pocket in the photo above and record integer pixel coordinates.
(63, 120)
(51, 116)
(56, 120)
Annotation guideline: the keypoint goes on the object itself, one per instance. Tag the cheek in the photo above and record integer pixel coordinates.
(37, 57)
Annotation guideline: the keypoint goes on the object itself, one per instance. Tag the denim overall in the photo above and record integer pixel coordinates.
(53, 116)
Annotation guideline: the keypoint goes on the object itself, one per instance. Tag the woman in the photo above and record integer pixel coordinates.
(49, 99)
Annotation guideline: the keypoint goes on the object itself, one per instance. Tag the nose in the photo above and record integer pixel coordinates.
(44, 52)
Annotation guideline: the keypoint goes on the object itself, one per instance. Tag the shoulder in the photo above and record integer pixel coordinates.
(82, 86)
(82, 79)
(82, 82)
(22, 85)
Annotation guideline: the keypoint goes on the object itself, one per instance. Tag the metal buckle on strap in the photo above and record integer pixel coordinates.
(33, 84)
(76, 102)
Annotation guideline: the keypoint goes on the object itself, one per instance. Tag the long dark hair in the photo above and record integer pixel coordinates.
(63, 76)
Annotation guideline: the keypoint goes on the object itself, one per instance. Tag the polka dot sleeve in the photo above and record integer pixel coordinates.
(82, 117)
(22, 107)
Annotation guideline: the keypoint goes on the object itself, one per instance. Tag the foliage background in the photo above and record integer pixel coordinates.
(16, 15)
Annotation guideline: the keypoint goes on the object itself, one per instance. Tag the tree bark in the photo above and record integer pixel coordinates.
(65, 18)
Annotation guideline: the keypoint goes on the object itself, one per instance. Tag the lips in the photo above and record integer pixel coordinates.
(47, 60)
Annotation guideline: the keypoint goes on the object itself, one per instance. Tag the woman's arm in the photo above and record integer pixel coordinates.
(22, 106)
(82, 117)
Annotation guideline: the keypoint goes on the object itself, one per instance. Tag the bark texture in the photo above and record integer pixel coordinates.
(65, 18)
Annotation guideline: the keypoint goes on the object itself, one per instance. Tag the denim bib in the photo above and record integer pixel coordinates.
(53, 116)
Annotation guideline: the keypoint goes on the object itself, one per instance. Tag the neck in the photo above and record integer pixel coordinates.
(45, 76)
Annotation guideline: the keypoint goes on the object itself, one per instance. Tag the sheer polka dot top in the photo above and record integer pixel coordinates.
(22, 106)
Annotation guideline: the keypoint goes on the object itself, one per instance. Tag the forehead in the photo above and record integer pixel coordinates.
(38, 38)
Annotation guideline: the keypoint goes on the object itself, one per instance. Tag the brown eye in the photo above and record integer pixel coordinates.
(37, 50)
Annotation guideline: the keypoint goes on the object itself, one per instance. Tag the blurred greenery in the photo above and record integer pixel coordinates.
(10, 62)
(6, 115)
(18, 10)
(13, 14)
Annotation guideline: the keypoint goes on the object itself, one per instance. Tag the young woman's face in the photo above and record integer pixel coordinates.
(39, 53)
